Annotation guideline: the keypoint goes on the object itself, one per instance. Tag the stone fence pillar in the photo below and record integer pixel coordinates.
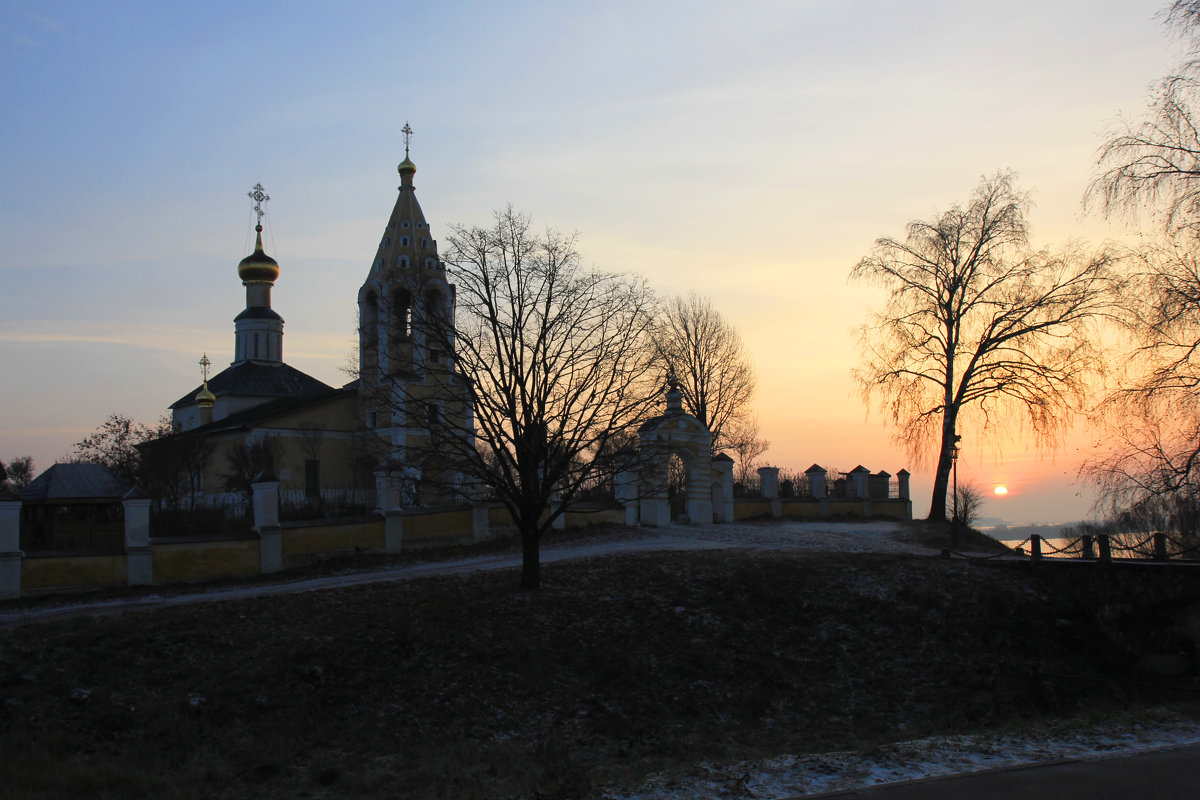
(10, 546)
(625, 493)
(387, 505)
(266, 522)
(768, 478)
(560, 522)
(139, 558)
(723, 478)
(816, 482)
(879, 485)
(858, 479)
(902, 483)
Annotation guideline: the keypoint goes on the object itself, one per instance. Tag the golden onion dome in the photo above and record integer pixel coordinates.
(258, 266)
(204, 397)
(407, 167)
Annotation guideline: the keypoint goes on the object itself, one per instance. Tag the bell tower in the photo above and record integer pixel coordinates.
(406, 308)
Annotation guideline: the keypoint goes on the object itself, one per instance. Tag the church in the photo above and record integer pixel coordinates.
(359, 441)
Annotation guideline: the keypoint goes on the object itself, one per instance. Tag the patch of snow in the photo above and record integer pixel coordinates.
(817, 773)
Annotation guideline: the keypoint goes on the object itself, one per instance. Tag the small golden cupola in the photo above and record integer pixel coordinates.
(205, 400)
(258, 267)
(258, 330)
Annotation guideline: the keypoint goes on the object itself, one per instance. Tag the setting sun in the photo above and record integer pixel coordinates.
(1001, 490)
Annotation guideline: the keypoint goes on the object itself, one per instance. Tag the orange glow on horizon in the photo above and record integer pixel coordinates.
(1001, 490)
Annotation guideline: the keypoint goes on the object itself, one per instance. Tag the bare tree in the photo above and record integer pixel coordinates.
(1151, 461)
(1151, 165)
(114, 444)
(709, 361)
(558, 363)
(1150, 169)
(976, 321)
(970, 501)
(247, 460)
(20, 471)
(741, 436)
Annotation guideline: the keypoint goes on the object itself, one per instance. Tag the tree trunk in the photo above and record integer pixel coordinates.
(531, 565)
(941, 479)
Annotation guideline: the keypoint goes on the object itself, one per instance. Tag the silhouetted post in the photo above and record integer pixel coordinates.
(1105, 548)
(625, 492)
(818, 488)
(723, 505)
(10, 545)
(266, 522)
(560, 522)
(1160, 546)
(954, 521)
(902, 484)
(768, 480)
(1089, 548)
(1035, 547)
(139, 558)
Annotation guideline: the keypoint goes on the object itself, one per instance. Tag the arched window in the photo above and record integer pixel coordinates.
(402, 262)
(402, 313)
(368, 331)
(404, 241)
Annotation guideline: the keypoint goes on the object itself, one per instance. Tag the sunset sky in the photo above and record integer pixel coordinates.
(751, 152)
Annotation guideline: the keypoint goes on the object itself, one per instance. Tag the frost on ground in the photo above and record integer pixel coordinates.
(816, 773)
(836, 537)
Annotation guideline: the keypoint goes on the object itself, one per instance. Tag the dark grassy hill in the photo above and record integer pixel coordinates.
(458, 687)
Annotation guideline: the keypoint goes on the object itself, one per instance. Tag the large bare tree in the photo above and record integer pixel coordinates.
(1150, 166)
(977, 322)
(709, 361)
(559, 365)
(1149, 170)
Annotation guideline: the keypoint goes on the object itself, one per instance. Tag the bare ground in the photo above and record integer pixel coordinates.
(624, 672)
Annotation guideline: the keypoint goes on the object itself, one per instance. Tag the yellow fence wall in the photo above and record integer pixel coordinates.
(305, 539)
(749, 509)
(65, 572)
(205, 560)
(439, 527)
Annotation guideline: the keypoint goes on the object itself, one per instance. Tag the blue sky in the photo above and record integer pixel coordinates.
(750, 152)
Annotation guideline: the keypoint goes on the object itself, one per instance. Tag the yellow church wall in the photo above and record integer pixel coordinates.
(205, 560)
(62, 572)
(335, 415)
(305, 538)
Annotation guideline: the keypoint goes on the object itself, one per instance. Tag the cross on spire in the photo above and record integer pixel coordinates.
(204, 365)
(408, 132)
(259, 197)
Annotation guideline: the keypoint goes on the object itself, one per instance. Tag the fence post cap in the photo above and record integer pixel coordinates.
(135, 493)
(815, 468)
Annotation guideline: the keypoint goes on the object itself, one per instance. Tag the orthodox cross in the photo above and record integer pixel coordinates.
(204, 365)
(259, 197)
(408, 132)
